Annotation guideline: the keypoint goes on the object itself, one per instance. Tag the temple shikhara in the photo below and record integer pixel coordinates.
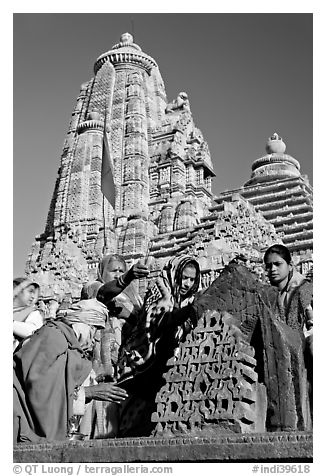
(163, 174)
(238, 383)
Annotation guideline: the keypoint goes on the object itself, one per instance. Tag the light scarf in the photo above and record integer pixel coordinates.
(88, 311)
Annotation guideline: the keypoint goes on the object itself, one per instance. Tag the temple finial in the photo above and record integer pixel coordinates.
(275, 144)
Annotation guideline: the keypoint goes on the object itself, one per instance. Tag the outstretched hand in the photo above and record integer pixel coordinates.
(137, 271)
(109, 392)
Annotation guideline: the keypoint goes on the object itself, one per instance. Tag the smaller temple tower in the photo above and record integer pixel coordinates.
(284, 196)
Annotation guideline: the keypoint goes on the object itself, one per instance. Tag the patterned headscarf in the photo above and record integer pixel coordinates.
(89, 311)
(141, 346)
(170, 280)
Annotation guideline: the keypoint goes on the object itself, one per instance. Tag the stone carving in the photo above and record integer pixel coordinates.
(179, 104)
(165, 221)
(62, 268)
(240, 293)
(276, 447)
(147, 134)
(165, 175)
(211, 386)
(185, 216)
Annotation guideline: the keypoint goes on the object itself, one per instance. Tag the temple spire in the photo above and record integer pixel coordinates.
(275, 165)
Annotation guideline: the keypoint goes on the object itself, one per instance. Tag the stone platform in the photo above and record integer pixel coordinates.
(268, 447)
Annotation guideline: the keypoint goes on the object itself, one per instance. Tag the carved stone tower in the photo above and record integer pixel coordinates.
(162, 171)
(163, 175)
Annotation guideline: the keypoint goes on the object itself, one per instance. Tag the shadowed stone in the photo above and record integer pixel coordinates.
(212, 385)
(278, 347)
(275, 447)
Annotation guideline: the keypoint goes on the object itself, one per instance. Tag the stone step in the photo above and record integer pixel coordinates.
(261, 447)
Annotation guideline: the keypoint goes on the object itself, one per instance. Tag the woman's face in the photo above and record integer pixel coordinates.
(27, 297)
(187, 279)
(113, 270)
(277, 270)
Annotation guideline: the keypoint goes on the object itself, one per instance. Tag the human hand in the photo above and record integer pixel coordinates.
(309, 317)
(161, 307)
(137, 271)
(309, 342)
(109, 392)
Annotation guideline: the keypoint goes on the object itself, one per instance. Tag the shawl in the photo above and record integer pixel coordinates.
(169, 282)
(47, 370)
(294, 302)
(123, 310)
(90, 311)
(21, 313)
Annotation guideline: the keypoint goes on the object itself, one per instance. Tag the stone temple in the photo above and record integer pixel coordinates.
(226, 398)
(163, 174)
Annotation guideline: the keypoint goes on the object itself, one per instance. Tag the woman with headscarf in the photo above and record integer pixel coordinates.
(26, 317)
(293, 292)
(115, 288)
(166, 320)
(292, 299)
(50, 368)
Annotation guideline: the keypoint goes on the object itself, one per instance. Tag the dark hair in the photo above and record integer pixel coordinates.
(18, 281)
(281, 250)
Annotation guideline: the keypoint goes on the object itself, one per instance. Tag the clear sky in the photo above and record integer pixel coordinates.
(247, 76)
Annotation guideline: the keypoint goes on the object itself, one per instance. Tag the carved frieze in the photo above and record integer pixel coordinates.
(211, 386)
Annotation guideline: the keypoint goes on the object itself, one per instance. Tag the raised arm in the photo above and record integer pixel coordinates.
(111, 289)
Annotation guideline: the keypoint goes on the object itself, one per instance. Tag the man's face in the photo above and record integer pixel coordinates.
(187, 279)
(113, 270)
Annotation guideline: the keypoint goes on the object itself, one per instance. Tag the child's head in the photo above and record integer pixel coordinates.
(25, 292)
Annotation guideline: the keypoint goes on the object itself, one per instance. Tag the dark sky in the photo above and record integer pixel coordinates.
(247, 76)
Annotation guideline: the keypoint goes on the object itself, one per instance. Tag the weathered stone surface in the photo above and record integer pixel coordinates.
(211, 386)
(271, 447)
(163, 174)
(164, 206)
(278, 347)
(238, 292)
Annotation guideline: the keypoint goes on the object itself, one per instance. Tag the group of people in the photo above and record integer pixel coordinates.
(93, 370)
